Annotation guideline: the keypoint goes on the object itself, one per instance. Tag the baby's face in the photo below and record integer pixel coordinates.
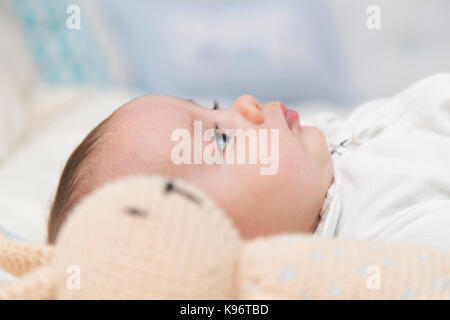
(138, 140)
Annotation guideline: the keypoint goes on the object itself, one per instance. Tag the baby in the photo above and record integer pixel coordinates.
(382, 173)
(136, 139)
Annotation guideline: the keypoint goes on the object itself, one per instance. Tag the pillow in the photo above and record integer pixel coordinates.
(62, 56)
(45, 61)
(230, 48)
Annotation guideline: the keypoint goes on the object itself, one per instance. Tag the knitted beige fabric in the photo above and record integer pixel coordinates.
(18, 258)
(39, 284)
(134, 239)
(151, 238)
(304, 267)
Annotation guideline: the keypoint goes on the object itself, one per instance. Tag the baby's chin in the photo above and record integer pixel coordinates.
(317, 146)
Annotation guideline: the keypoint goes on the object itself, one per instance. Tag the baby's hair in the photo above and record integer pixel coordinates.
(68, 193)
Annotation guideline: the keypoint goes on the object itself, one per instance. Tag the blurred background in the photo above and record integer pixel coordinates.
(56, 82)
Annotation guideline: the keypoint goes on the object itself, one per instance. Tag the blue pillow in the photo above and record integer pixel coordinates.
(62, 56)
(274, 50)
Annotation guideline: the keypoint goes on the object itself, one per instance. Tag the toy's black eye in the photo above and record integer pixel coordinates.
(170, 187)
(136, 211)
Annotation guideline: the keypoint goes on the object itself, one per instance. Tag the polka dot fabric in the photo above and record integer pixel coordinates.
(304, 267)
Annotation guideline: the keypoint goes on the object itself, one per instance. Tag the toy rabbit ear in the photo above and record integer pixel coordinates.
(18, 258)
(39, 284)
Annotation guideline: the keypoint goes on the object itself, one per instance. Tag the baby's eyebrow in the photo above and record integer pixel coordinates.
(191, 101)
(191, 115)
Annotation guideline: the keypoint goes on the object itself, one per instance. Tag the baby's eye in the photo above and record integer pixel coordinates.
(221, 139)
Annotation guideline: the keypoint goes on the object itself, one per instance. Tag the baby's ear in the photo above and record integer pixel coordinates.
(18, 257)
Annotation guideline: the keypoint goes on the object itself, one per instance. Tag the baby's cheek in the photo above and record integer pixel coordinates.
(291, 161)
(315, 143)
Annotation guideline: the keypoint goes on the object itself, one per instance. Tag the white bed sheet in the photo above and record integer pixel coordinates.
(28, 177)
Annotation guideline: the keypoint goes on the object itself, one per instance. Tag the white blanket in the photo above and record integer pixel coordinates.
(392, 168)
(29, 176)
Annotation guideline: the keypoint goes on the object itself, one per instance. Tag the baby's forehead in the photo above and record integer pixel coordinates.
(156, 104)
(140, 132)
(159, 114)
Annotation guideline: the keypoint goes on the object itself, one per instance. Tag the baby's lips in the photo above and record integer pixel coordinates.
(291, 116)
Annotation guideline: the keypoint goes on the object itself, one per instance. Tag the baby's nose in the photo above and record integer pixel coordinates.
(249, 100)
(249, 108)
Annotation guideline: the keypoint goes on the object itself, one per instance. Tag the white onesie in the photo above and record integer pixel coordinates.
(392, 169)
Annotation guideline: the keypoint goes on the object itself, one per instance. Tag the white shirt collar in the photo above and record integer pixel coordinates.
(329, 212)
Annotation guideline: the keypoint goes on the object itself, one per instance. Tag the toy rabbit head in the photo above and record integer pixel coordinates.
(131, 239)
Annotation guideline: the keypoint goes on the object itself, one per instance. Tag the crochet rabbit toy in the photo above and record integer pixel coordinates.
(155, 238)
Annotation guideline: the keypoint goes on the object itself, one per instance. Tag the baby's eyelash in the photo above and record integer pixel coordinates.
(225, 137)
(216, 105)
(221, 138)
